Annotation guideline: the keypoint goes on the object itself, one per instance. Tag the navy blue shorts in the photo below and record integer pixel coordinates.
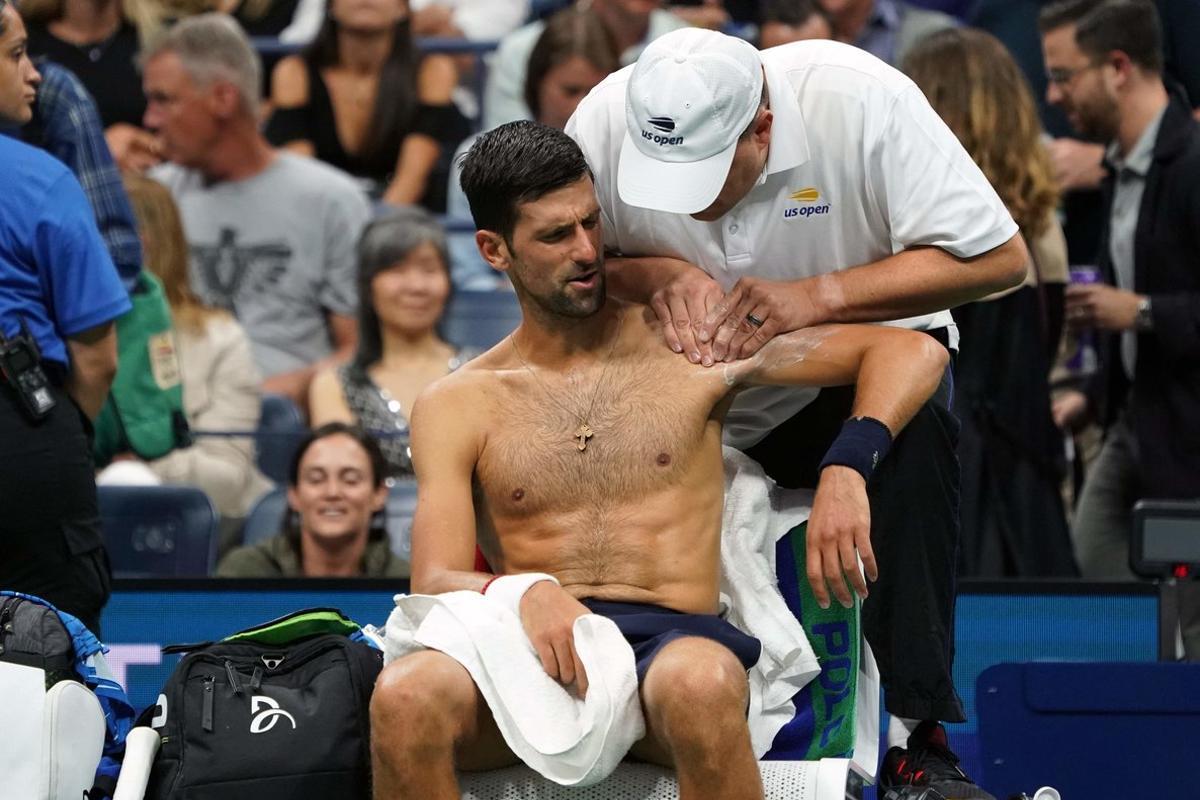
(647, 628)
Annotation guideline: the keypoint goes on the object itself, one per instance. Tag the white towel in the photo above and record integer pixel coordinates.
(757, 515)
(572, 742)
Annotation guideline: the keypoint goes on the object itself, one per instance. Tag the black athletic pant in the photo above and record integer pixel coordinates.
(50, 543)
(914, 493)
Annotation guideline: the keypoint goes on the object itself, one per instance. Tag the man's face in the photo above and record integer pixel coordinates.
(18, 78)
(563, 87)
(749, 159)
(1077, 85)
(335, 493)
(183, 114)
(557, 251)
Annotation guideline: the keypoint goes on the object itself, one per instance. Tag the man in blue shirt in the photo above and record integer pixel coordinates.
(58, 287)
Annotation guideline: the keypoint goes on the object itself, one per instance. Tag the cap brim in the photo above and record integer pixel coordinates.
(674, 187)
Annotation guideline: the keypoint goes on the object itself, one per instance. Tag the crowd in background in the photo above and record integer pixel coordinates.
(297, 219)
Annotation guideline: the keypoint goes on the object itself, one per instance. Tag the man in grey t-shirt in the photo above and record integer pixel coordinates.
(272, 235)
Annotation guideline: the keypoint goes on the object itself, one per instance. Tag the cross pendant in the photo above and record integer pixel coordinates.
(582, 433)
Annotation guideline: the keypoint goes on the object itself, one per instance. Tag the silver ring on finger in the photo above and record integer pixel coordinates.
(753, 320)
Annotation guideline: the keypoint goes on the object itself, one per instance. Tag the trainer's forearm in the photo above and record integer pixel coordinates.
(919, 280)
(897, 377)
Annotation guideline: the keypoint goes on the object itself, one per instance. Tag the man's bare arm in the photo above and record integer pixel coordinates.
(895, 372)
(444, 451)
(93, 366)
(919, 280)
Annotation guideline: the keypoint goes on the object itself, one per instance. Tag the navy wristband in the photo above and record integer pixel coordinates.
(861, 445)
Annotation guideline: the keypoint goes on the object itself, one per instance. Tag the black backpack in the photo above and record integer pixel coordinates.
(33, 635)
(277, 712)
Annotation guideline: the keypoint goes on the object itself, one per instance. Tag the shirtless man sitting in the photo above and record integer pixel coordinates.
(582, 448)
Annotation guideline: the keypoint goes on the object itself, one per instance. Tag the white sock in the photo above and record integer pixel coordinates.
(899, 729)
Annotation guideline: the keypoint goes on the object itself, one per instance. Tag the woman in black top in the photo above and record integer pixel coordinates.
(362, 99)
(98, 40)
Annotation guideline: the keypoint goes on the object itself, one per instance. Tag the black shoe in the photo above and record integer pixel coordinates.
(928, 763)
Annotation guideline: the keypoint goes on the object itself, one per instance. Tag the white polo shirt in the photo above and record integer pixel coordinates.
(860, 167)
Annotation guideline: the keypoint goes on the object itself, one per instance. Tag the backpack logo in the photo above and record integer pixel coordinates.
(265, 719)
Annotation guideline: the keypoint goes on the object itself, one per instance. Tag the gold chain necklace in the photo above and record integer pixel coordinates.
(584, 431)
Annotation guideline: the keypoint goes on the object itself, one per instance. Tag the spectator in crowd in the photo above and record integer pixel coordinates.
(838, 195)
(362, 99)
(884, 28)
(66, 124)
(221, 387)
(573, 53)
(786, 21)
(1010, 450)
(709, 14)
(631, 23)
(98, 40)
(1106, 69)
(290, 21)
(271, 233)
(59, 295)
(334, 528)
(477, 20)
(403, 286)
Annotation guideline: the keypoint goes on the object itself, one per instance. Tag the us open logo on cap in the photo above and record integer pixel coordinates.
(808, 196)
(666, 125)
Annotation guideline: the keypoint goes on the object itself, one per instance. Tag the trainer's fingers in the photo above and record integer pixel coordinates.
(682, 323)
(763, 334)
(746, 330)
(663, 312)
(719, 312)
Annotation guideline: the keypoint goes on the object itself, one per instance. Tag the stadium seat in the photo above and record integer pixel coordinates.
(280, 427)
(158, 531)
(480, 319)
(266, 517)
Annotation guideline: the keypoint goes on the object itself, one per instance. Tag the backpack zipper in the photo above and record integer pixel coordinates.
(256, 679)
(206, 716)
(232, 674)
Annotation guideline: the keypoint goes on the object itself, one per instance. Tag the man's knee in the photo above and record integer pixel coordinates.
(692, 682)
(425, 697)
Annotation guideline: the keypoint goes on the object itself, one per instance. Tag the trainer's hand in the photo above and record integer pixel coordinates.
(839, 528)
(681, 306)
(752, 312)
(548, 613)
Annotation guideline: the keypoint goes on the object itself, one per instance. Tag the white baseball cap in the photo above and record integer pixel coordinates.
(691, 95)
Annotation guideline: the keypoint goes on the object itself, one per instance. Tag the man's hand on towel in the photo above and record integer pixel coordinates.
(548, 613)
(839, 530)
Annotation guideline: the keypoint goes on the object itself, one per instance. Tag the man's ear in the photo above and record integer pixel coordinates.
(762, 128)
(225, 101)
(494, 250)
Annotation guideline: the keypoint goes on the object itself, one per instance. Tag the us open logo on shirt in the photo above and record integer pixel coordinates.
(810, 205)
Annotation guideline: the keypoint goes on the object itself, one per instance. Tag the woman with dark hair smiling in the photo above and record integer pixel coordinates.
(403, 288)
(336, 487)
(362, 98)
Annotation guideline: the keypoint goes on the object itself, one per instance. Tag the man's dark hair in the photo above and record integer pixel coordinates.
(1101, 26)
(1130, 26)
(1064, 12)
(791, 12)
(291, 526)
(516, 163)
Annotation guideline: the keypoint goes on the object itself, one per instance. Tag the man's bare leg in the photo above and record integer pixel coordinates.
(694, 696)
(427, 718)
